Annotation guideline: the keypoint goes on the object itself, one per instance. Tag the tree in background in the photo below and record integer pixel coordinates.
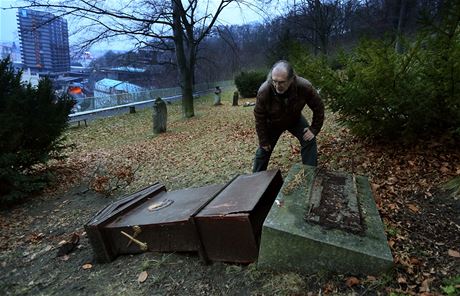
(32, 121)
(385, 94)
(167, 25)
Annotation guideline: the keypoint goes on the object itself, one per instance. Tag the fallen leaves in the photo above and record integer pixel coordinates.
(142, 277)
(352, 281)
(69, 245)
(425, 286)
(214, 146)
(401, 280)
(414, 208)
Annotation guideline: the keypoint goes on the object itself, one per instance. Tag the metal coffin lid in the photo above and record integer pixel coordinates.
(230, 225)
(162, 219)
(95, 227)
(124, 205)
(167, 207)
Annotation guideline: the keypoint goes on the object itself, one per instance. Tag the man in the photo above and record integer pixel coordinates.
(279, 105)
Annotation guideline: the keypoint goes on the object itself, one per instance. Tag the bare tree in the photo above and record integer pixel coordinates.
(168, 25)
(319, 20)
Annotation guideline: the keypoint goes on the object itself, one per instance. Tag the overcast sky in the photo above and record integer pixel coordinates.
(8, 31)
(232, 14)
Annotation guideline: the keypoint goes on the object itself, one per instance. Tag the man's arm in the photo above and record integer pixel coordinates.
(260, 114)
(316, 105)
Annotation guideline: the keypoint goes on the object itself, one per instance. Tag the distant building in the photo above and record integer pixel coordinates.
(110, 92)
(28, 77)
(130, 74)
(9, 49)
(44, 41)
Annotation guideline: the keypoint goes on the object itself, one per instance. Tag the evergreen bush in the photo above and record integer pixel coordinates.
(248, 83)
(386, 95)
(32, 121)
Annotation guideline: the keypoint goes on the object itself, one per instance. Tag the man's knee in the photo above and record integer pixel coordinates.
(308, 144)
(262, 153)
(261, 160)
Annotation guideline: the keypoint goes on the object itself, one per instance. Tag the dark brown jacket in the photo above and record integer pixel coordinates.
(271, 111)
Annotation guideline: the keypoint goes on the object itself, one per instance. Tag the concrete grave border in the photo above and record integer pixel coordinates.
(289, 243)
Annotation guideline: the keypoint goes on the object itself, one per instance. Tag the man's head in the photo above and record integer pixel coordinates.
(281, 76)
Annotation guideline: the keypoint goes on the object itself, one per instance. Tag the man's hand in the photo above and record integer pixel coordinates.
(308, 135)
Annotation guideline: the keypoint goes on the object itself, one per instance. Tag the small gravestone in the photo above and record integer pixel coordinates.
(324, 221)
(217, 93)
(235, 98)
(160, 116)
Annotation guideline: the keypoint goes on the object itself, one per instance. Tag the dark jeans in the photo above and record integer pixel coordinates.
(309, 150)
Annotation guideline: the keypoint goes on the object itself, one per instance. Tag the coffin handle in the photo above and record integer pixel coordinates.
(137, 230)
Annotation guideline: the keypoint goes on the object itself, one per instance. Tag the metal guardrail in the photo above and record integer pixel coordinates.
(120, 103)
(106, 101)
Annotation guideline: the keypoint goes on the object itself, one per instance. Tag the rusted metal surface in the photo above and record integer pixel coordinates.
(95, 228)
(334, 203)
(230, 225)
(161, 220)
(221, 222)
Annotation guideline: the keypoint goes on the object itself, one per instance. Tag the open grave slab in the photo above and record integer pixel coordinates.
(324, 221)
(220, 222)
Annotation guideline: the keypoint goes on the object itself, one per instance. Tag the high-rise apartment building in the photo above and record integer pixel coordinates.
(44, 41)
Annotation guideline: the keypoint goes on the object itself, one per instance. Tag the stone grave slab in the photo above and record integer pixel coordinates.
(324, 221)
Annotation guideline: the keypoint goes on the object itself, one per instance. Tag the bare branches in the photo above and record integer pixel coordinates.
(158, 23)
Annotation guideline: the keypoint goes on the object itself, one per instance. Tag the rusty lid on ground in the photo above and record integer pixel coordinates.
(334, 202)
(168, 207)
(241, 195)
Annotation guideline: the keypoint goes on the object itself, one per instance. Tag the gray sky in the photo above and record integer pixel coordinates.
(8, 31)
(232, 14)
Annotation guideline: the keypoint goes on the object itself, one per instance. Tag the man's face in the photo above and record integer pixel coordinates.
(280, 80)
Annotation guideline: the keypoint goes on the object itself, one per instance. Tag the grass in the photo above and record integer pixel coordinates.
(212, 147)
(220, 142)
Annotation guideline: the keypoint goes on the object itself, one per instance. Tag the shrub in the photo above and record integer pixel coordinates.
(386, 95)
(32, 121)
(248, 83)
(316, 69)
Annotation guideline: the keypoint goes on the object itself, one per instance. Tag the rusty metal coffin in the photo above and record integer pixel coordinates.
(230, 225)
(161, 219)
(221, 222)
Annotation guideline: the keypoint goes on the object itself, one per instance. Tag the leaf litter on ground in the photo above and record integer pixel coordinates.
(220, 142)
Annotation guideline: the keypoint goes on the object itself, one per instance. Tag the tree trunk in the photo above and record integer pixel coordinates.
(187, 95)
(185, 69)
(399, 32)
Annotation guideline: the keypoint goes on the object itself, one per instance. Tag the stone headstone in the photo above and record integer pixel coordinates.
(235, 98)
(160, 116)
(324, 221)
(217, 99)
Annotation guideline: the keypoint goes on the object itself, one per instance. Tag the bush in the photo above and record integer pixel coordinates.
(32, 121)
(386, 95)
(248, 83)
(316, 69)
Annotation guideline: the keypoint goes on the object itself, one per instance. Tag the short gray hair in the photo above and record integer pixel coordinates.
(283, 64)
